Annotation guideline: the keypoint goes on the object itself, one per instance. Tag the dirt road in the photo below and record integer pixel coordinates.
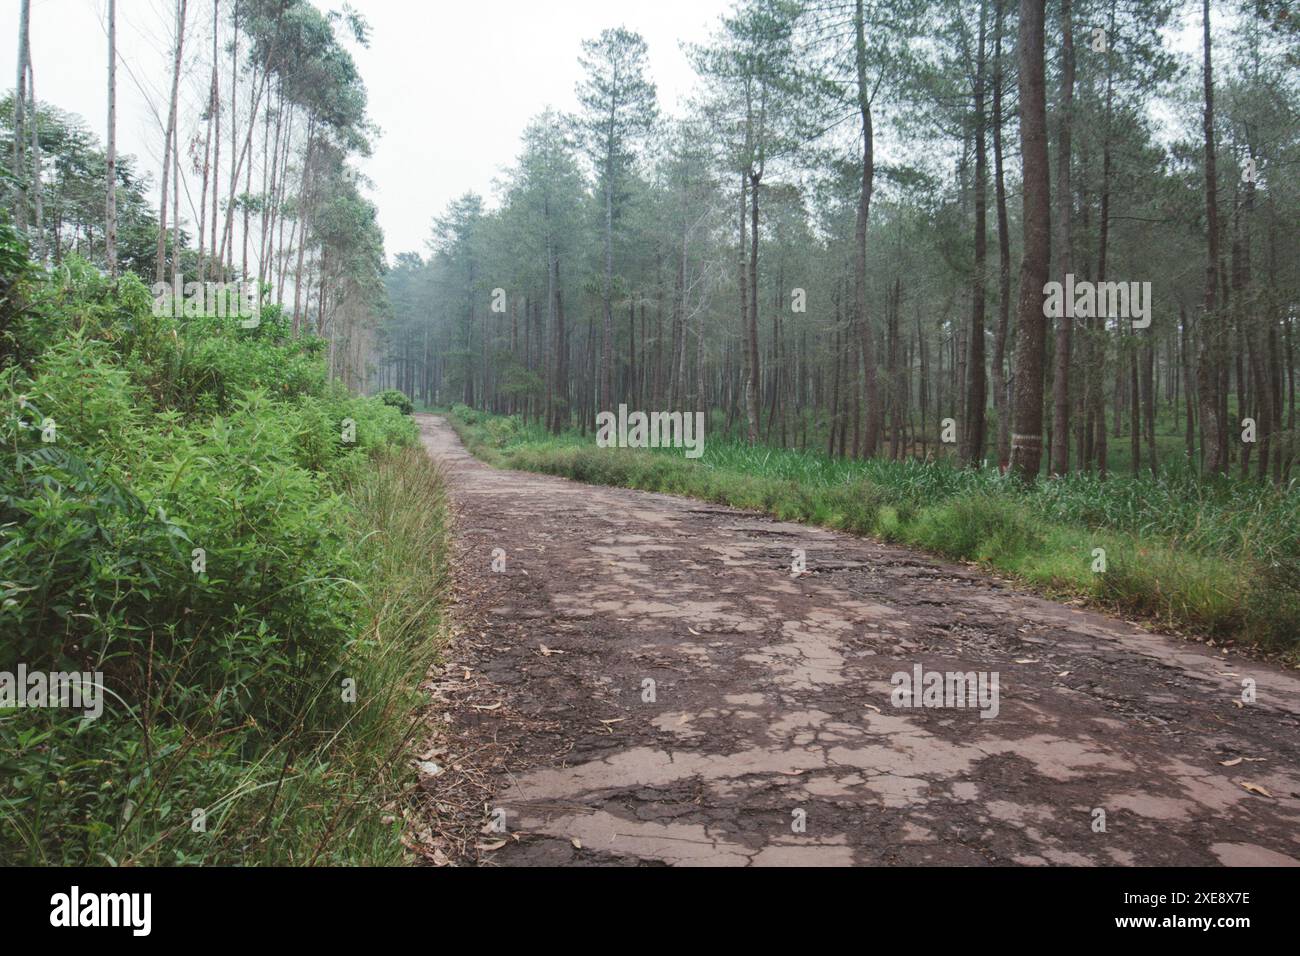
(770, 733)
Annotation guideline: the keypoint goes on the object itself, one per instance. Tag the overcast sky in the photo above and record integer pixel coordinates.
(452, 84)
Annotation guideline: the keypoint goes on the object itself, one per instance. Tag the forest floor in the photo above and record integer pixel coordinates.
(769, 734)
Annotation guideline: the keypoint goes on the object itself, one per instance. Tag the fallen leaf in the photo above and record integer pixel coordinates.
(613, 720)
(1027, 660)
(1255, 788)
(692, 630)
(489, 847)
(577, 844)
(429, 767)
(487, 707)
(1230, 763)
(873, 707)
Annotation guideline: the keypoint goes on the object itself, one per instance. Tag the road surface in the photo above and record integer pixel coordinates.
(647, 681)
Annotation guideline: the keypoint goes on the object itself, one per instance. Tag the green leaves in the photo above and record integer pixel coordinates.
(186, 534)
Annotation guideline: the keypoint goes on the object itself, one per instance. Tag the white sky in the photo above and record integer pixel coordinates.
(452, 84)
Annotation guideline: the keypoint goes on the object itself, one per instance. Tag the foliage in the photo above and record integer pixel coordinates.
(395, 399)
(205, 531)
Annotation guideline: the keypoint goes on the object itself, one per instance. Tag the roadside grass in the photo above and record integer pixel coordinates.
(1219, 559)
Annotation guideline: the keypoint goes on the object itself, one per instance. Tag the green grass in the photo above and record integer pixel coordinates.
(1217, 558)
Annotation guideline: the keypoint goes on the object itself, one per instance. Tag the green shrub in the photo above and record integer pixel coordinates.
(397, 400)
(195, 531)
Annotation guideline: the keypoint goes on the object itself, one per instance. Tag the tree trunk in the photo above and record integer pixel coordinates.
(972, 437)
(1060, 464)
(1207, 371)
(871, 440)
(607, 293)
(20, 118)
(1000, 396)
(169, 143)
(755, 366)
(1027, 440)
(110, 185)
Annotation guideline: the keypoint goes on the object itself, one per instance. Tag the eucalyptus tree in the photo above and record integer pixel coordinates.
(110, 178)
(20, 117)
(170, 151)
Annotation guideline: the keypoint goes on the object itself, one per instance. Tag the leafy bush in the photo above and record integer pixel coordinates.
(177, 512)
(397, 400)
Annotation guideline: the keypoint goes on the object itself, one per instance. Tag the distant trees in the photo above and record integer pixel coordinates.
(805, 253)
(757, 259)
(74, 193)
(279, 205)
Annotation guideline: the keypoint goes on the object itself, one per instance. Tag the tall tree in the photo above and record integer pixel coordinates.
(753, 65)
(1000, 396)
(169, 140)
(972, 437)
(110, 184)
(1060, 458)
(618, 103)
(20, 117)
(1027, 439)
(865, 93)
(1213, 426)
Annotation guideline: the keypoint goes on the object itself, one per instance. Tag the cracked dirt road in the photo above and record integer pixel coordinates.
(773, 695)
